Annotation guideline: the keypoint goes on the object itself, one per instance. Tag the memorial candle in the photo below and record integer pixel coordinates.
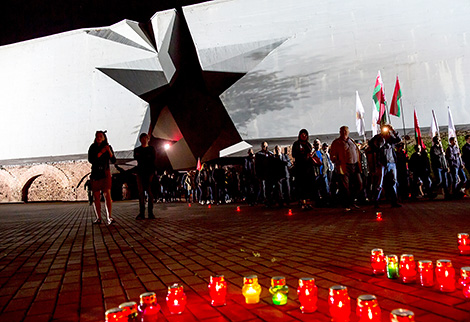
(339, 303)
(464, 281)
(392, 266)
(279, 290)
(368, 308)
(464, 243)
(426, 273)
(377, 261)
(251, 289)
(149, 307)
(307, 292)
(129, 311)
(176, 299)
(402, 315)
(218, 290)
(445, 275)
(115, 315)
(407, 268)
(379, 216)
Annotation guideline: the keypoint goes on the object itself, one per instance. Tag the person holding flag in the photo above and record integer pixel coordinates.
(439, 166)
(457, 174)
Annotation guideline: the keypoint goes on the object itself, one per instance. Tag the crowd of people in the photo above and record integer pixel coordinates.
(347, 173)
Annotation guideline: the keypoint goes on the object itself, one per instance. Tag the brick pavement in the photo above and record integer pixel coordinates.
(56, 266)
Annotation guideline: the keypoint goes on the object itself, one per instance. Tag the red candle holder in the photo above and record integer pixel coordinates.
(217, 290)
(176, 299)
(339, 303)
(368, 308)
(407, 268)
(464, 243)
(377, 261)
(402, 315)
(426, 273)
(149, 307)
(129, 311)
(445, 275)
(464, 281)
(307, 292)
(115, 315)
(379, 215)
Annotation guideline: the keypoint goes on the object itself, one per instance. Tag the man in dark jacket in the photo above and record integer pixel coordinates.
(457, 174)
(420, 169)
(439, 166)
(145, 156)
(384, 146)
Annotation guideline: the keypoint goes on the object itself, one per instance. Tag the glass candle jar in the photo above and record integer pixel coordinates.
(402, 315)
(464, 281)
(392, 266)
(217, 290)
(368, 308)
(377, 261)
(445, 275)
(407, 270)
(426, 273)
(251, 289)
(115, 315)
(379, 215)
(339, 303)
(176, 299)
(279, 290)
(464, 243)
(307, 292)
(130, 312)
(149, 307)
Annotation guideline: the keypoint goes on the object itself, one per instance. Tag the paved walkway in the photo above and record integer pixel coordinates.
(55, 265)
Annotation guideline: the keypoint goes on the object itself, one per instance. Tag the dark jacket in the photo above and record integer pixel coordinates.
(99, 165)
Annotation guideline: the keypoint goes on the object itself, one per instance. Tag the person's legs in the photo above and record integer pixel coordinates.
(141, 189)
(150, 197)
(97, 206)
(108, 205)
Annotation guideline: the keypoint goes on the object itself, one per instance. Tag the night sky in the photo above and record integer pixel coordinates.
(22, 20)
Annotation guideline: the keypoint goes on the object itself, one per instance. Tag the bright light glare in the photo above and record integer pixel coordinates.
(166, 146)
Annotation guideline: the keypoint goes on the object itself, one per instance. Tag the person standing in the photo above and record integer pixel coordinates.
(100, 154)
(384, 146)
(303, 166)
(265, 180)
(457, 174)
(145, 156)
(420, 169)
(439, 166)
(281, 175)
(249, 178)
(345, 155)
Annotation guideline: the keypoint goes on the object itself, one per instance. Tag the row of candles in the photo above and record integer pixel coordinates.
(367, 308)
(405, 269)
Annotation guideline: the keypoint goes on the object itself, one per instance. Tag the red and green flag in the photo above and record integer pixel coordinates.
(418, 138)
(395, 107)
(379, 99)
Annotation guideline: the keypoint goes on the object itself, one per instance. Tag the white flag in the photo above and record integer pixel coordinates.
(451, 130)
(375, 118)
(360, 126)
(434, 130)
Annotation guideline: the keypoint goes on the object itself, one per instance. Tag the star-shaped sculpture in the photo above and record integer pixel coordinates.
(185, 107)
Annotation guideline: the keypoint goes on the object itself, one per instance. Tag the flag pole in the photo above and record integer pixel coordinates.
(403, 120)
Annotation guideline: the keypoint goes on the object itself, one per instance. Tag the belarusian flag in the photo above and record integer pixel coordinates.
(419, 140)
(395, 107)
(379, 99)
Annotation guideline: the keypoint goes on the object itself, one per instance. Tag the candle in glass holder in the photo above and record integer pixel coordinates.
(377, 261)
(279, 290)
(307, 292)
(392, 266)
(464, 281)
(464, 243)
(379, 215)
(149, 307)
(402, 315)
(218, 290)
(130, 311)
(368, 308)
(445, 275)
(251, 289)
(426, 273)
(176, 299)
(339, 303)
(407, 268)
(115, 315)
